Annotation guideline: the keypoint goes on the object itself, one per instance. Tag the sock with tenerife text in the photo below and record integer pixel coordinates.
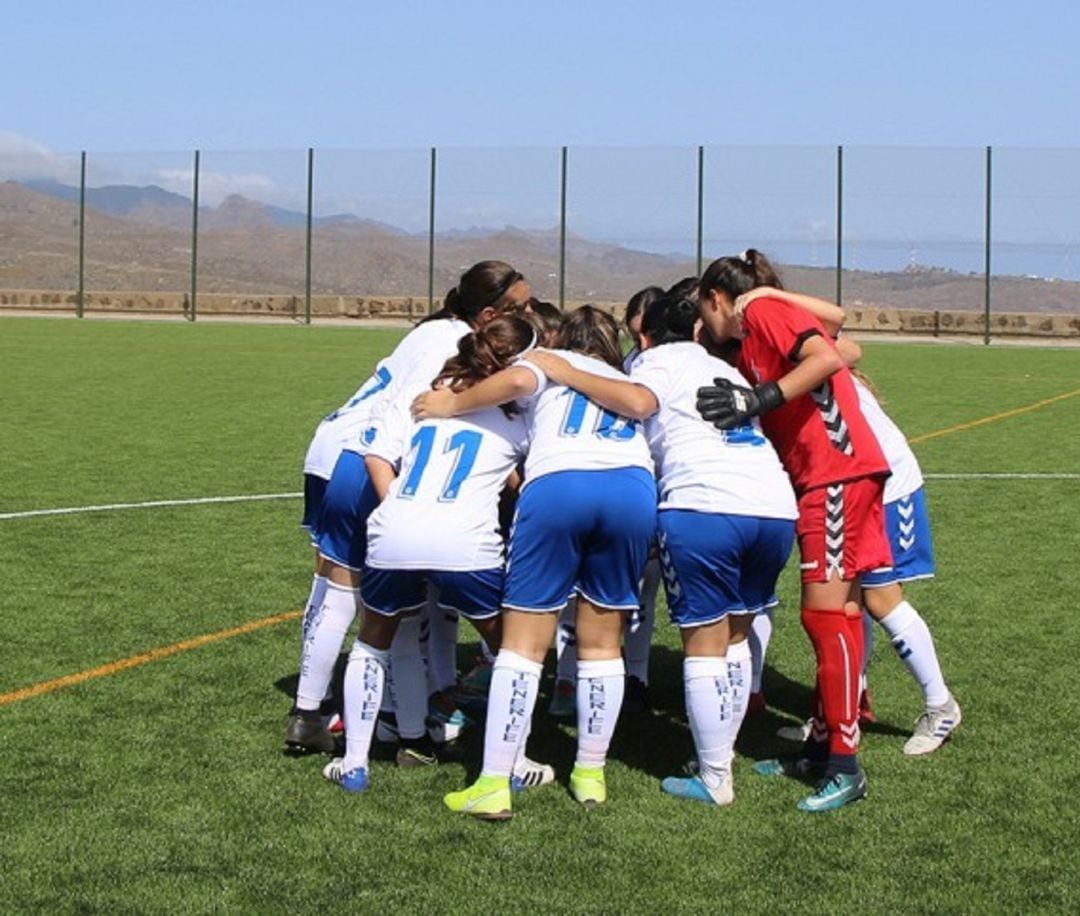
(839, 659)
(760, 634)
(708, 707)
(639, 635)
(314, 602)
(364, 680)
(407, 680)
(914, 644)
(325, 637)
(868, 645)
(601, 684)
(739, 666)
(515, 683)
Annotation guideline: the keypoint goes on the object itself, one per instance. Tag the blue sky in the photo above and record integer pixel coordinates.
(234, 74)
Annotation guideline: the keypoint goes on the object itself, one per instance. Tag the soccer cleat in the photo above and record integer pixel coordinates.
(335, 724)
(755, 704)
(866, 712)
(588, 786)
(528, 774)
(305, 735)
(933, 727)
(795, 766)
(563, 703)
(487, 799)
(445, 721)
(636, 697)
(835, 792)
(354, 780)
(796, 733)
(416, 752)
(694, 788)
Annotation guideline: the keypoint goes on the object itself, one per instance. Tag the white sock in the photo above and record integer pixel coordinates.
(325, 636)
(364, 680)
(442, 649)
(407, 680)
(760, 633)
(739, 666)
(708, 707)
(600, 687)
(868, 645)
(566, 644)
(638, 640)
(913, 643)
(515, 683)
(314, 602)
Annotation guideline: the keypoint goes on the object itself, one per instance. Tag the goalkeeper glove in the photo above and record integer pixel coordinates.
(726, 405)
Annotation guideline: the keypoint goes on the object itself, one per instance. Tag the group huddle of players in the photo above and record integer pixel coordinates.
(508, 464)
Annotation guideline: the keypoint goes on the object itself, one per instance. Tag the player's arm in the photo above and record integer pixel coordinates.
(850, 352)
(381, 473)
(830, 315)
(500, 388)
(625, 398)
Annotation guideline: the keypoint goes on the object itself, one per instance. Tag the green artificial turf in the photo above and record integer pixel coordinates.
(163, 788)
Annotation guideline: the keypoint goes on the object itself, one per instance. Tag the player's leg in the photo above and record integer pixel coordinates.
(563, 703)
(761, 630)
(638, 640)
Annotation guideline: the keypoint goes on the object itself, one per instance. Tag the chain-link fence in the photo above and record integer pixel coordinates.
(936, 240)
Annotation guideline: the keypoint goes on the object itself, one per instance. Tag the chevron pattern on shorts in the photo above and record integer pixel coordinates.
(834, 530)
(835, 425)
(906, 509)
(667, 570)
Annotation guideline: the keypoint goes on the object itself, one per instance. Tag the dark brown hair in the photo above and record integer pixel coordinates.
(593, 332)
(640, 301)
(484, 285)
(739, 275)
(546, 318)
(485, 351)
(670, 320)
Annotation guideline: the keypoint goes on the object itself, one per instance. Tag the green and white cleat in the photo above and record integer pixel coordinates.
(588, 786)
(933, 727)
(487, 799)
(795, 766)
(695, 788)
(840, 790)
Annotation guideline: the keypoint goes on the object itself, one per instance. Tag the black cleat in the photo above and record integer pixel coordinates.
(306, 735)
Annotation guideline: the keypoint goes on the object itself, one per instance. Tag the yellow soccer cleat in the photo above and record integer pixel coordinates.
(588, 786)
(487, 799)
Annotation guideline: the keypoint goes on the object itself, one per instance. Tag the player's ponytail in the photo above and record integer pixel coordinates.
(590, 331)
(740, 274)
(486, 351)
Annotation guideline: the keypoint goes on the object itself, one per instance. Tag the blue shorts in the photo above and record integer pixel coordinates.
(581, 531)
(715, 564)
(314, 490)
(908, 528)
(347, 503)
(476, 594)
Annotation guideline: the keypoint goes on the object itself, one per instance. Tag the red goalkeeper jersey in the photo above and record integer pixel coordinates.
(822, 437)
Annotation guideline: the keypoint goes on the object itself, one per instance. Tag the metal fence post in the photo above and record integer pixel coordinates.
(431, 234)
(986, 267)
(700, 204)
(80, 296)
(840, 225)
(194, 235)
(562, 230)
(307, 244)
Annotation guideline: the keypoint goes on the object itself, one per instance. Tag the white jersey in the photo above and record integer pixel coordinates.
(568, 432)
(906, 475)
(628, 360)
(442, 510)
(420, 356)
(735, 471)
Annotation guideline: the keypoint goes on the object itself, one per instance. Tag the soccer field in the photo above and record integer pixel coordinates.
(152, 778)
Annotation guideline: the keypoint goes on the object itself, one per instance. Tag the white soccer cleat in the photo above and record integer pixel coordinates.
(528, 774)
(796, 733)
(933, 727)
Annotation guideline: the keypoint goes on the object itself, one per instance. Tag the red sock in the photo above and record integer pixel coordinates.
(839, 662)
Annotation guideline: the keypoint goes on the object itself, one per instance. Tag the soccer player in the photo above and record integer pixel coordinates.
(726, 525)
(437, 524)
(809, 409)
(485, 290)
(585, 518)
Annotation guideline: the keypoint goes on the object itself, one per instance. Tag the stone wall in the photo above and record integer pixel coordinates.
(860, 317)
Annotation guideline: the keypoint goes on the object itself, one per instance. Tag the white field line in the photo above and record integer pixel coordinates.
(256, 497)
(153, 504)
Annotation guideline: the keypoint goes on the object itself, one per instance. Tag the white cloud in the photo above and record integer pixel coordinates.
(22, 158)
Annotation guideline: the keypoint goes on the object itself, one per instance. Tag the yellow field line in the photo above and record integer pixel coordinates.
(134, 661)
(1004, 415)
